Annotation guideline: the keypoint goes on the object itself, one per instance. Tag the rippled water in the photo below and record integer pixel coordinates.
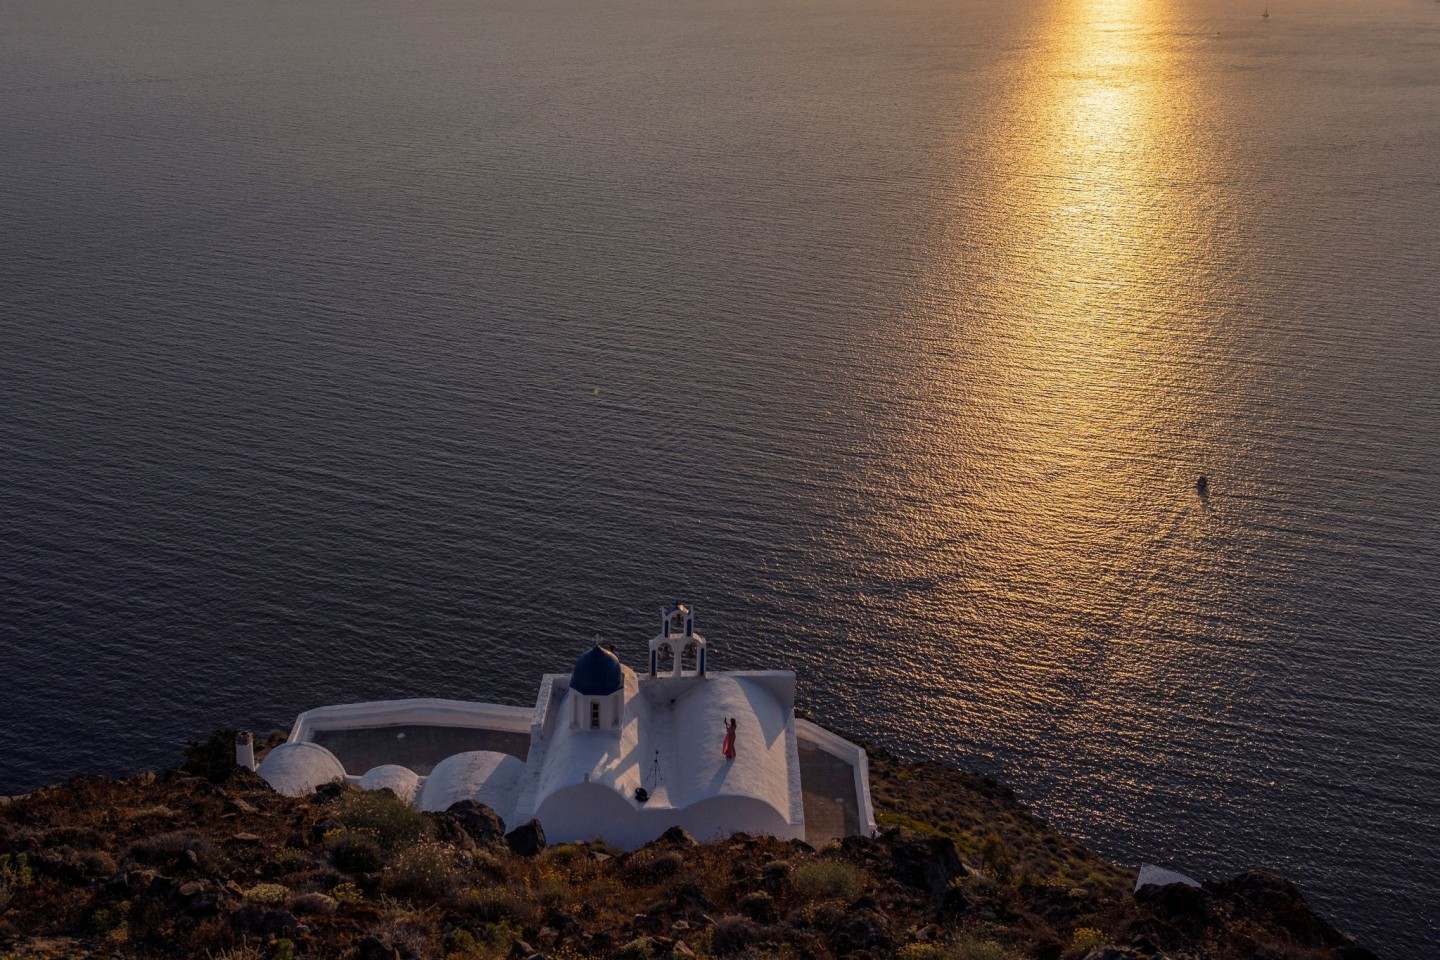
(373, 350)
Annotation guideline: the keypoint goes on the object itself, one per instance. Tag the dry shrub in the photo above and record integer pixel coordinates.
(313, 904)
(563, 853)
(174, 849)
(733, 934)
(977, 948)
(97, 863)
(409, 935)
(828, 880)
(244, 952)
(15, 875)
(1086, 939)
(156, 812)
(354, 851)
(654, 865)
(80, 838)
(426, 871)
(392, 821)
(491, 905)
(268, 894)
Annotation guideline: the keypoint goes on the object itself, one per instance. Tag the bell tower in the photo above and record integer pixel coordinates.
(677, 639)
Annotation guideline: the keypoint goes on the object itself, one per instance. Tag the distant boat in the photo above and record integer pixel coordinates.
(1202, 485)
(1266, 14)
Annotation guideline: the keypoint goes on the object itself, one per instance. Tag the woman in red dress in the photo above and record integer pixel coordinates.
(729, 748)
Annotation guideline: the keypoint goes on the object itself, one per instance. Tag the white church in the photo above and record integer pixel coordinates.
(605, 753)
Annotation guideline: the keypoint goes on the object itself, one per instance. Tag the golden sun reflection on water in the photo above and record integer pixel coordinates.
(1080, 360)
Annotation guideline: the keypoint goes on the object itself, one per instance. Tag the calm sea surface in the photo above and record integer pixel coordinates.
(368, 349)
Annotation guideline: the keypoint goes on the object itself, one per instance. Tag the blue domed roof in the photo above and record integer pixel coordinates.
(596, 673)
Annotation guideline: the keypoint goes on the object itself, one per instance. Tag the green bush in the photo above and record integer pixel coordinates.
(828, 880)
(15, 875)
(214, 759)
(392, 821)
(354, 851)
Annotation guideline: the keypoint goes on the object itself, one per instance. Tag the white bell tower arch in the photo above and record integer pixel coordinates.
(677, 637)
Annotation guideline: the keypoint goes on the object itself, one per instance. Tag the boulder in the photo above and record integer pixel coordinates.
(1276, 902)
(688, 898)
(678, 837)
(374, 948)
(1353, 951)
(526, 840)
(322, 827)
(866, 930)
(449, 829)
(483, 824)
(328, 792)
(924, 863)
(279, 923)
(775, 877)
(1184, 906)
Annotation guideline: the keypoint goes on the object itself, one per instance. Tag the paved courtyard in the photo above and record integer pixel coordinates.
(415, 746)
(828, 786)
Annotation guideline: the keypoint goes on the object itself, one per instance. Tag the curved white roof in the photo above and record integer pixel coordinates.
(481, 775)
(669, 742)
(607, 757)
(401, 781)
(296, 769)
(760, 768)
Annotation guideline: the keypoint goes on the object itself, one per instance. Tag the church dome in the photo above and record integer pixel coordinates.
(596, 673)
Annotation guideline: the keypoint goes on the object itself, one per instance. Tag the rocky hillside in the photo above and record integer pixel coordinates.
(206, 861)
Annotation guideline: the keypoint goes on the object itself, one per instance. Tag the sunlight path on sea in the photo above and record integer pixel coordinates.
(1080, 356)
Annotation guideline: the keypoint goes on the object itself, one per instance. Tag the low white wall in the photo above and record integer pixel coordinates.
(837, 746)
(424, 711)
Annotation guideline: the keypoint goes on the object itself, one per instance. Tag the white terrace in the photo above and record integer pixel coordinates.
(605, 753)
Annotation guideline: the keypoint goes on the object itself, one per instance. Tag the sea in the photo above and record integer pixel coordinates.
(362, 350)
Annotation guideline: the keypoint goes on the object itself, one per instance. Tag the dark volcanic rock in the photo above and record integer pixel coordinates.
(322, 827)
(1182, 905)
(327, 792)
(479, 821)
(449, 829)
(373, 948)
(279, 923)
(864, 929)
(925, 863)
(526, 840)
(678, 837)
(688, 897)
(1268, 899)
